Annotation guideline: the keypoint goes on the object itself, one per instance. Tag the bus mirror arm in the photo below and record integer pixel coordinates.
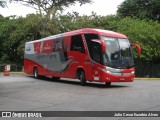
(102, 43)
(138, 48)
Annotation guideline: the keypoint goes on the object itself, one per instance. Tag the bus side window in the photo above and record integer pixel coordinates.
(77, 44)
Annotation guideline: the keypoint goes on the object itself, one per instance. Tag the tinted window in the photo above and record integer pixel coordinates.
(93, 47)
(96, 52)
(77, 44)
(88, 38)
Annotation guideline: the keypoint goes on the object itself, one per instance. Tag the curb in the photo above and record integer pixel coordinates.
(14, 72)
(21, 73)
(146, 78)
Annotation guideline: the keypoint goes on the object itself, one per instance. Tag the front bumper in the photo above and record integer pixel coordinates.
(114, 78)
(117, 75)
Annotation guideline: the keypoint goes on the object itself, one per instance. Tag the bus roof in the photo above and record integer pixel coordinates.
(84, 31)
(96, 31)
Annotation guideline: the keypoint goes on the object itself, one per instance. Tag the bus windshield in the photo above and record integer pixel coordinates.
(118, 53)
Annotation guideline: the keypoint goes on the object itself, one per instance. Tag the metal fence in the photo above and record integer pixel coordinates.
(147, 69)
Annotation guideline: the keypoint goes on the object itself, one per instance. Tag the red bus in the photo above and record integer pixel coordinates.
(85, 54)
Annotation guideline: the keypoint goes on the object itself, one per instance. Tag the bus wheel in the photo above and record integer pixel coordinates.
(108, 83)
(81, 77)
(35, 73)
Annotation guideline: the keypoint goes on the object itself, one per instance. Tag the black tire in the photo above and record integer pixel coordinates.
(108, 83)
(35, 73)
(81, 77)
(55, 78)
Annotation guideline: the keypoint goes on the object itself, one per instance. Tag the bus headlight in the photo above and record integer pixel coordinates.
(109, 72)
(116, 72)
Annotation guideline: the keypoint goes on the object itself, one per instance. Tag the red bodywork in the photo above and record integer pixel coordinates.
(93, 70)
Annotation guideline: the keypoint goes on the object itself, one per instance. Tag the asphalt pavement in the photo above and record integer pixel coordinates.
(24, 93)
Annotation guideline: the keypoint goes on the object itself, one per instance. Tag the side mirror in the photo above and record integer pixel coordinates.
(138, 48)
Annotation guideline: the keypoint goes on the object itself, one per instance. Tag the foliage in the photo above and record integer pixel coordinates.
(143, 9)
(15, 31)
(5, 59)
(146, 33)
(51, 7)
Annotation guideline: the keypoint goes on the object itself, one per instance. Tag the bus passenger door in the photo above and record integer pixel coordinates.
(76, 55)
(95, 61)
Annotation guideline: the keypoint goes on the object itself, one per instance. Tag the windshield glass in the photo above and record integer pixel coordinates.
(118, 53)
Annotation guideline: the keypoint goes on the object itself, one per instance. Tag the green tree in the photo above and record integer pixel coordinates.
(143, 32)
(51, 7)
(143, 9)
(5, 59)
(10, 35)
(15, 31)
